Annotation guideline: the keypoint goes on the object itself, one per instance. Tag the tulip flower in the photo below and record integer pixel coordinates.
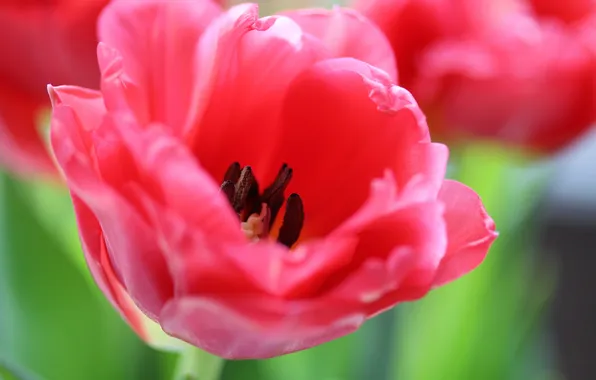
(257, 186)
(43, 42)
(522, 72)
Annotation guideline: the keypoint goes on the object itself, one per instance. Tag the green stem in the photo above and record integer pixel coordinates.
(196, 364)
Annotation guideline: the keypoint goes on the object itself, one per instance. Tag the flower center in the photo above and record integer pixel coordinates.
(257, 210)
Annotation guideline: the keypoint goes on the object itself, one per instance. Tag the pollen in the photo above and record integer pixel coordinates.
(258, 210)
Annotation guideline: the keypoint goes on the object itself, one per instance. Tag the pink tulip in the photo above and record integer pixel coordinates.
(522, 71)
(42, 42)
(246, 186)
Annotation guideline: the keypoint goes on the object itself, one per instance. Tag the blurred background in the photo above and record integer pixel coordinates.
(527, 313)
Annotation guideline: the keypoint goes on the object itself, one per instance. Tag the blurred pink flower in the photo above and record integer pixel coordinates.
(42, 42)
(520, 71)
(185, 214)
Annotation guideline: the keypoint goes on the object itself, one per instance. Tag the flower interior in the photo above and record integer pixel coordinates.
(258, 210)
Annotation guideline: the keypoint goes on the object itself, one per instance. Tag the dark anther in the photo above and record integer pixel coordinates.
(245, 187)
(289, 231)
(284, 175)
(229, 189)
(242, 191)
(275, 203)
(266, 221)
(233, 173)
(274, 194)
(253, 203)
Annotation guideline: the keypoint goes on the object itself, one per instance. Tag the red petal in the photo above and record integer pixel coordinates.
(346, 33)
(101, 145)
(87, 104)
(422, 171)
(195, 249)
(470, 231)
(172, 177)
(405, 244)
(536, 92)
(344, 123)
(295, 273)
(49, 43)
(571, 11)
(375, 278)
(256, 328)
(255, 62)
(99, 264)
(133, 250)
(162, 68)
(43, 43)
(21, 146)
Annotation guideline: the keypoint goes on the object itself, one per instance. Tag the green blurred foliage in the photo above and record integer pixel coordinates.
(10, 372)
(331, 361)
(51, 321)
(51, 206)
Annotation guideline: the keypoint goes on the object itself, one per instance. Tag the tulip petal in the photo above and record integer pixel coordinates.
(21, 146)
(172, 176)
(427, 163)
(256, 328)
(195, 255)
(572, 11)
(516, 99)
(96, 256)
(134, 253)
(379, 285)
(157, 41)
(470, 231)
(99, 264)
(261, 57)
(87, 104)
(329, 112)
(101, 146)
(293, 273)
(44, 43)
(346, 33)
(64, 38)
(372, 280)
(409, 243)
(216, 52)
